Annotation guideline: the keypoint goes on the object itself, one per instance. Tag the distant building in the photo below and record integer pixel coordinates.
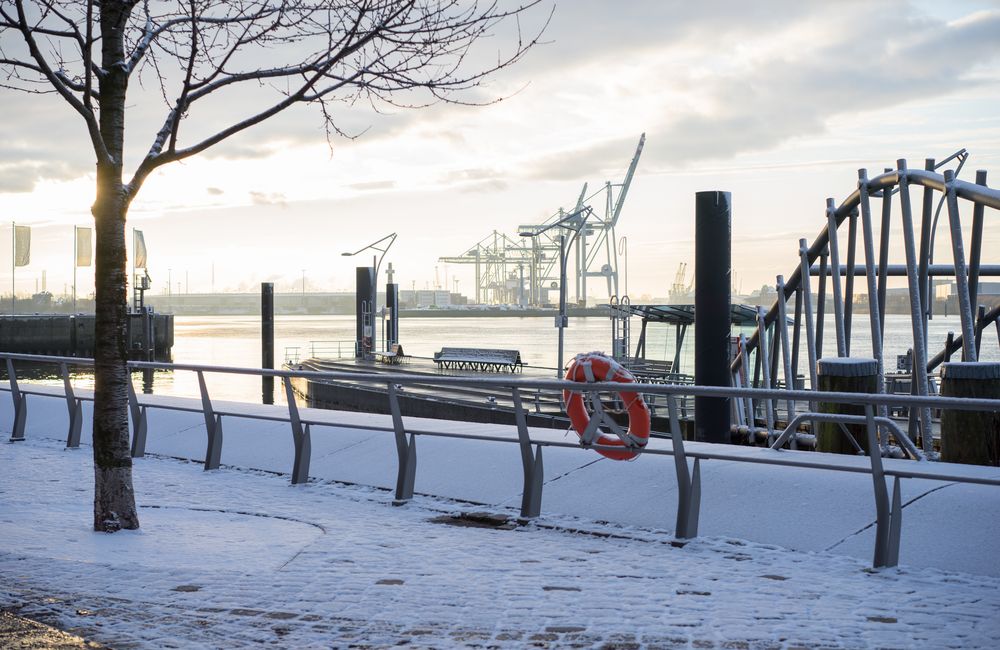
(410, 299)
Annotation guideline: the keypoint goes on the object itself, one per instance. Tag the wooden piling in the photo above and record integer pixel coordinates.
(844, 375)
(970, 437)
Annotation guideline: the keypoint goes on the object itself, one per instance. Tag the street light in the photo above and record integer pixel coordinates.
(380, 247)
(574, 221)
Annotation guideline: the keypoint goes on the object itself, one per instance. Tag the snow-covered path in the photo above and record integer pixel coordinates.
(236, 558)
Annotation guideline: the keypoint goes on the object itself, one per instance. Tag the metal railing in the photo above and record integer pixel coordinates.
(888, 511)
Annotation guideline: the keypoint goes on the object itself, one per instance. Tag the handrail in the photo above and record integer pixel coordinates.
(888, 515)
(930, 401)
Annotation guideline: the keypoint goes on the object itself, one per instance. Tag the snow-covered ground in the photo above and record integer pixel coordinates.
(239, 557)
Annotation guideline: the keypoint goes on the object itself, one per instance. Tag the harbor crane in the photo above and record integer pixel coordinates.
(502, 262)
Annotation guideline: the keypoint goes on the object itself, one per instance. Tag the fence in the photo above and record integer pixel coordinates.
(686, 458)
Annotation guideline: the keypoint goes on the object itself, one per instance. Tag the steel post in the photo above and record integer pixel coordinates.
(782, 323)
(852, 239)
(213, 427)
(927, 226)
(976, 243)
(965, 306)
(713, 311)
(874, 318)
(300, 437)
(796, 335)
(916, 307)
(75, 408)
(139, 427)
(267, 339)
(883, 254)
(838, 298)
(821, 299)
(406, 451)
(531, 463)
(561, 319)
(807, 315)
(20, 401)
(762, 345)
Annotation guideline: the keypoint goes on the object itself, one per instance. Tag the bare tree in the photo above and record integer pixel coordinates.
(265, 54)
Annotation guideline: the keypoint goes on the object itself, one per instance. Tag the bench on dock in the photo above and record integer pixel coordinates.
(479, 359)
(393, 356)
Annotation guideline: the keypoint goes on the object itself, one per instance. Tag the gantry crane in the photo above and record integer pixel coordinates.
(500, 265)
(501, 261)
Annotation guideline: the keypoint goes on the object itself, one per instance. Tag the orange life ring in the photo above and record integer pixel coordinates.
(595, 366)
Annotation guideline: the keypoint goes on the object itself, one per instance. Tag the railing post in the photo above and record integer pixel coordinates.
(688, 483)
(20, 404)
(138, 422)
(883, 514)
(75, 408)
(895, 525)
(213, 424)
(534, 472)
(300, 436)
(405, 449)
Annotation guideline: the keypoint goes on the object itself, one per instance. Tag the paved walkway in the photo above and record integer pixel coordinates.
(230, 558)
(18, 633)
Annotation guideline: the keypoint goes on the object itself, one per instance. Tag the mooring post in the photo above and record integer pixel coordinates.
(267, 339)
(713, 312)
(845, 375)
(971, 437)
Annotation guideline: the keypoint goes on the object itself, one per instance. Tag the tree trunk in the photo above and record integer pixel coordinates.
(114, 499)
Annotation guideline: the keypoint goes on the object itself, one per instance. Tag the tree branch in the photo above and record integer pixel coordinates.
(93, 127)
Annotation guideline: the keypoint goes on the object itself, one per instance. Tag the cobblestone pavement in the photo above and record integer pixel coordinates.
(230, 559)
(18, 633)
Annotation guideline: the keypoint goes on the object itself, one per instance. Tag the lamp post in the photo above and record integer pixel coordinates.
(380, 247)
(623, 249)
(575, 222)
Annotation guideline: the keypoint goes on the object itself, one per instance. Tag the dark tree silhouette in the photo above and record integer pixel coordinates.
(257, 56)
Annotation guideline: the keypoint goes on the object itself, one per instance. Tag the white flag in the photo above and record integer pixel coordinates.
(139, 248)
(84, 246)
(22, 245)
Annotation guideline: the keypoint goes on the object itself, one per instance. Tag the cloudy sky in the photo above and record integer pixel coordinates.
(777, 102)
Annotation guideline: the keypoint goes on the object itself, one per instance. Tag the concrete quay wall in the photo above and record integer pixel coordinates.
(73, 334)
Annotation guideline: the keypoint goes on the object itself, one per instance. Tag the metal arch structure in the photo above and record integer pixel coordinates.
(504, 266)
(842, 224)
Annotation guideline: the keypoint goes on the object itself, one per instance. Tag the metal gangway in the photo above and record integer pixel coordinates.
(772, 351)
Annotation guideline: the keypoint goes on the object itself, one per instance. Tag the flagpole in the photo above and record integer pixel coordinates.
(133, 270)
(13, 264)
(75, 258)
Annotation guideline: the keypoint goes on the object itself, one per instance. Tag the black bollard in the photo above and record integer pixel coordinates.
(712, 312)
(845, 375)
(267, 339)
(392, 305)
(971, 437)
(364, 308)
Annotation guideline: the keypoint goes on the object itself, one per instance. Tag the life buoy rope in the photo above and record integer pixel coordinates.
(596, 367)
